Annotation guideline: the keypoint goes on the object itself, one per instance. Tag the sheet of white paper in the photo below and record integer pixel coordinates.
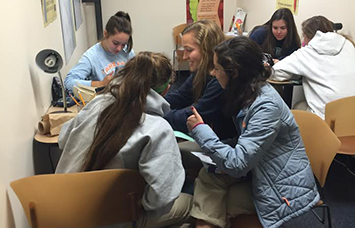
(203, 157)
(77, 13)
(68, 31)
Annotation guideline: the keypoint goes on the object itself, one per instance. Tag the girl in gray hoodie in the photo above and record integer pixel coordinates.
(124, 128)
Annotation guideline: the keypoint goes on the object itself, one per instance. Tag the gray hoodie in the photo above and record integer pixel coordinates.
(152, 149)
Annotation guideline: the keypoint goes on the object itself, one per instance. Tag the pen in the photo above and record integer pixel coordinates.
(76, 102)
(81, 98)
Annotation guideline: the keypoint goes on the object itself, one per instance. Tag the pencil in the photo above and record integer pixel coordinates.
(231, 25)
(76, 102)
(81, 98)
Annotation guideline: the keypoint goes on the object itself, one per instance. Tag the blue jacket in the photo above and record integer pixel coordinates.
(209, 107)
(270, 146)
(259, 36)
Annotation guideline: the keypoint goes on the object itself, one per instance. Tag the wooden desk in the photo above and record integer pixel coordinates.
(46, 153)
(285, 89)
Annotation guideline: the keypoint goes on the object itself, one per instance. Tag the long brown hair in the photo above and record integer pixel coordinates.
(207, 34)
(117, 122)
(242, 61)
(292, 37)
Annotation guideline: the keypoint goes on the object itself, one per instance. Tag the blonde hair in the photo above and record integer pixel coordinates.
(207, 35)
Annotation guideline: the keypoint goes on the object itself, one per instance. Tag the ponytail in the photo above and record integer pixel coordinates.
(118, 121)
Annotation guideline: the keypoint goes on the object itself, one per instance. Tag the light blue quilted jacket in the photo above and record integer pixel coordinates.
(270, 146)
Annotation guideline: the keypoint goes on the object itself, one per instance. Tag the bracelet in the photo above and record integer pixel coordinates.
(197, 124)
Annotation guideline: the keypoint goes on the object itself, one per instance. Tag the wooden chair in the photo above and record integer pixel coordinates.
(81, 200)
(321, 145)
(178, 53)
(340, 117)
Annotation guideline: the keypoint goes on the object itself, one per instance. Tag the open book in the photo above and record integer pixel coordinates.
(87, 92)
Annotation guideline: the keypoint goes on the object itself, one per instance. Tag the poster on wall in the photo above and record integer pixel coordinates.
(290, 4)
(68, 33)
(49, 11)
(77, 13)
(204, 9)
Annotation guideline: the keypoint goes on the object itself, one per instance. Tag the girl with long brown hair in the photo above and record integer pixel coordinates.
(200, 89)
(278, 36)
(266, 171)
(124, 128)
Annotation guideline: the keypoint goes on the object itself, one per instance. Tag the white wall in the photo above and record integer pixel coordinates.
(154, 20)
(336, 11)
(25, 92)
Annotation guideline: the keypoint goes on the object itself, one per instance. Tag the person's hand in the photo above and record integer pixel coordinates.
(104, 82)
(107, 79)
(276, 60)
(194, 120)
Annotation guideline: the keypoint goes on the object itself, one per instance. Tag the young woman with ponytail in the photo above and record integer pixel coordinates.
(124, 128)
(98, 64)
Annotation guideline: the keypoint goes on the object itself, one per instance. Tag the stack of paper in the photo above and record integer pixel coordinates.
(87, 92)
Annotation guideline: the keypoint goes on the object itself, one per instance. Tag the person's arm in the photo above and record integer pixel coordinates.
(104, 82)
(161, 166)
(182, 97)
(65, 133)
(79, 74)
(288, 68)
(261, 131)
(209, 106)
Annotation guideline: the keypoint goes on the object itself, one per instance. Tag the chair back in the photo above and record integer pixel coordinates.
(177, 33)
(178, 53)
(320, 142)
(81, 200)
(340, 116)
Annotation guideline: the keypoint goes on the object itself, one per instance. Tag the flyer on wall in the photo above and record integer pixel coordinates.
(290, 4)
(204, 9)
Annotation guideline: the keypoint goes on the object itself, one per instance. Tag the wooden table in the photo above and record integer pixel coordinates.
(46, 153)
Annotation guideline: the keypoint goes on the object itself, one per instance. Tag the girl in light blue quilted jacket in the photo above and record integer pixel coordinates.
(264, 169)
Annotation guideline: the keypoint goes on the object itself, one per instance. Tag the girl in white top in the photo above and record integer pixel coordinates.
(326, 63)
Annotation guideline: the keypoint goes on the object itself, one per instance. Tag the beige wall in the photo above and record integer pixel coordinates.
(153, 21)
(336, 11)
(25, 92)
